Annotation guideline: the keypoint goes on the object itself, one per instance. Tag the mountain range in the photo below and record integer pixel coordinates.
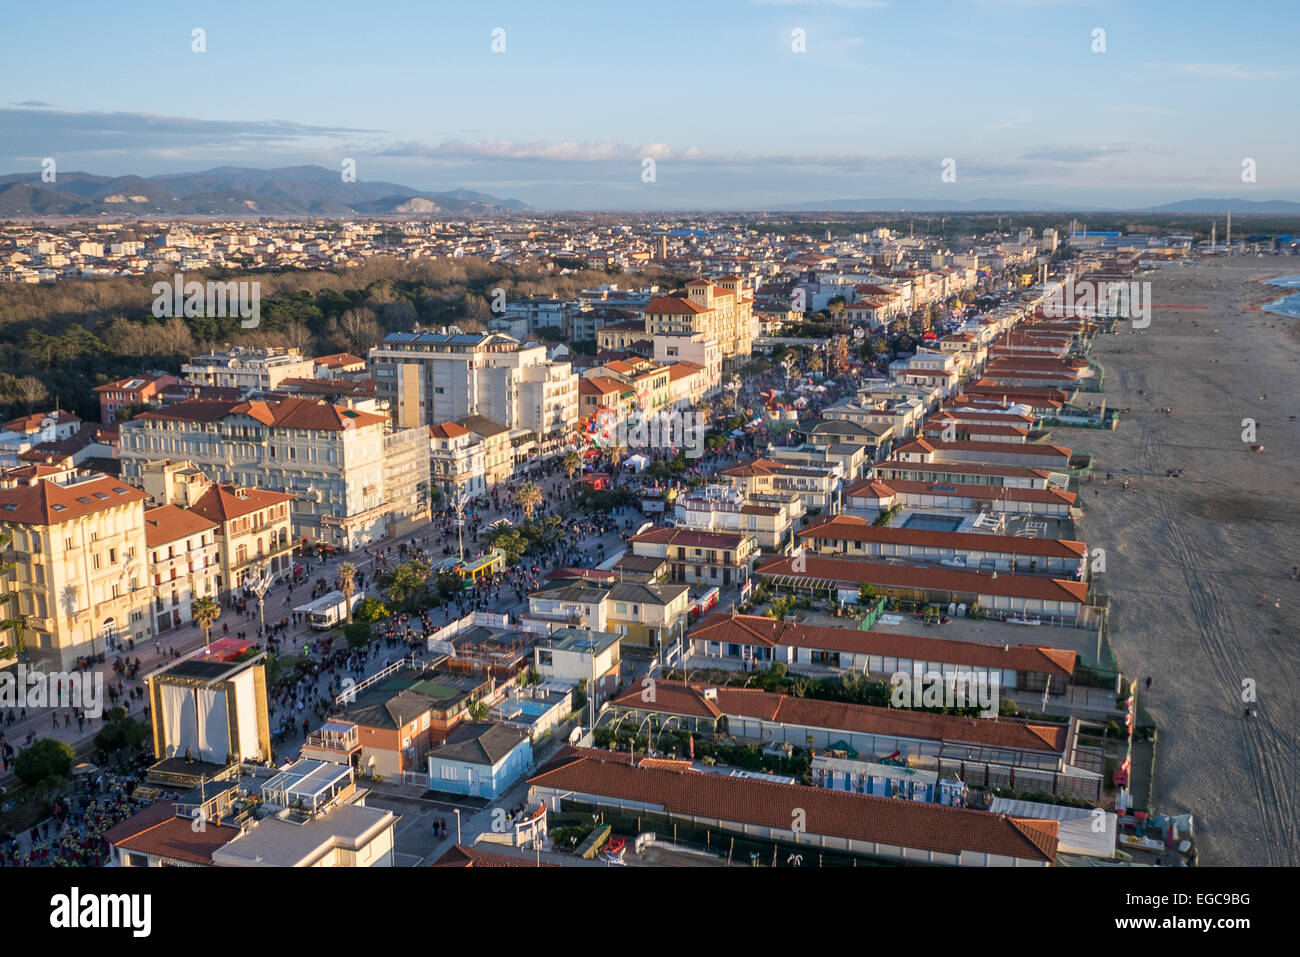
(234, 191)
(1245, 206)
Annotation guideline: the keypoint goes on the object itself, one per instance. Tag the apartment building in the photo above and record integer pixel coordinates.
(721, 310)
(818, 487)
(11, 625)
(456, 460)
(498, 454)
(719, 559)
(548, 401)
(642, 613)
(249, 370)
(26, 432)
(184, 562)
(78, 548)
(133, 392)
(649, 382)
(697, 348)
(350, 476)
(252, 530)
(431, 377)
(769, 518)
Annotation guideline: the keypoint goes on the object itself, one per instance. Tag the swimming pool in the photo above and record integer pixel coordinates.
(933, 523)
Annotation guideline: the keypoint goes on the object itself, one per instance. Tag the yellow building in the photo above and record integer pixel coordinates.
(498, 455)
(77, 547)
(252, 532)
(722, 311)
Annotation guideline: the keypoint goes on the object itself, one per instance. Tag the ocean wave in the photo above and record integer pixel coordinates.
(1286, 306)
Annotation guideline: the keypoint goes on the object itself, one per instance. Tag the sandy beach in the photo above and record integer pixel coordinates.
(1199, 567)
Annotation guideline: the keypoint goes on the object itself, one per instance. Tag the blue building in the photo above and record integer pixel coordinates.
(480, 759)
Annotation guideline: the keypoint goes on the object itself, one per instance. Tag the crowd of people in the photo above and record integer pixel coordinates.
(75, 834)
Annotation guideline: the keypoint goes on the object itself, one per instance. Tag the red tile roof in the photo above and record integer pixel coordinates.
(929, 578)
(221, 503)
(45, 502)
(447, 430)
(460, 856)
(997, 493)
(854, 529)
(1042, 737)
(173, 838)
(689, 538)
(857, 817)
(167, 523)
(730, 627)
(673, 305)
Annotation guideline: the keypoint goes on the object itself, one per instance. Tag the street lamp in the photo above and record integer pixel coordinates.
(456, 811)
(259, 582)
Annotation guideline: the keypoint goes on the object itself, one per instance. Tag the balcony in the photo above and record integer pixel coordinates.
(335, 737)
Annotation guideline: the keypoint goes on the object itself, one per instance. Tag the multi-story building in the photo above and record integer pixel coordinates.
(672, 348)
(135, 392)
(770, 518)
(456, 460)
(336, 462)
(252, 533)
(720, 559)
(722, 311)
(77, 546)
(25, 433)
(250, 370)
(818, 487)
(406, 478)
(433, 377)
(184, 562)
(644, 613)
(498, 454)
(11, 624)
(548, 401)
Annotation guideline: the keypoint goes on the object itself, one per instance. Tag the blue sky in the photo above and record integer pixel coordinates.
(713, 91)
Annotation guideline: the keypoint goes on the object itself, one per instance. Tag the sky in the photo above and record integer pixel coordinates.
(740, 104)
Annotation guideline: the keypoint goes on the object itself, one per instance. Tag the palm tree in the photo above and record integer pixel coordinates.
(205, 611)
(615, 455)
(815, 363)
(347, 585)
(528, 497)
(571, 462)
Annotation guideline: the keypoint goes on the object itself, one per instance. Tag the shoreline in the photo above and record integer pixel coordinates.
(1199, 583)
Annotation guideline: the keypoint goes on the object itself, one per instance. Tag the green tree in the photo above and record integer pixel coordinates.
(120, 732)
(371, 610)
(205, 611)
(571, 462)
(45, 759)
(408, 582)
(528, 496)
(348, 585)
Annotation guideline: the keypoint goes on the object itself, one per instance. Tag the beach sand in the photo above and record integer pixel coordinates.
(1187, 559)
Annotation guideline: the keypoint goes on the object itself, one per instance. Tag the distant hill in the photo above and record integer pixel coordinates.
(1227, 205)
(1244, 206)
(234, 191)
(923, 206)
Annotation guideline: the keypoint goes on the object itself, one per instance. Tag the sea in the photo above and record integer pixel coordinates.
(1287, 305)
